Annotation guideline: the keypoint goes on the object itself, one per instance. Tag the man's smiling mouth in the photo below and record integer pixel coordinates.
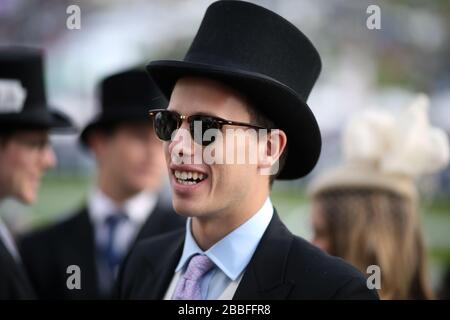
(189, 177)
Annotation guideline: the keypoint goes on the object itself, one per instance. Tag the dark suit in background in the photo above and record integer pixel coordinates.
(14, 282)
(47, 253)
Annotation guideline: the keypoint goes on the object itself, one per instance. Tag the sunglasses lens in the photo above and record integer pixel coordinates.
(205, 123)
(165, 123)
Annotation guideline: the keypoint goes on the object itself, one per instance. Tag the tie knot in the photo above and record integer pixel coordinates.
(114, 219)
(198, 266)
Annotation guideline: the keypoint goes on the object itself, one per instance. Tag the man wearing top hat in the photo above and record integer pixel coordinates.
(125, 204)
(246, 69)
(25, 152)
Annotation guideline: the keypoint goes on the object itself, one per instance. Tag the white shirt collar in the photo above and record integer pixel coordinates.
(232, 253)
(8, 241)
(137, 208)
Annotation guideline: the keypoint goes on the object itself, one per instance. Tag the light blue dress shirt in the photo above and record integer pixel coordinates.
(230, 255)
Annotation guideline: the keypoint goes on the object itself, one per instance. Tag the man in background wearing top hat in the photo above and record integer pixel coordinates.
(25, 152)
(252, 69)
(124, 205)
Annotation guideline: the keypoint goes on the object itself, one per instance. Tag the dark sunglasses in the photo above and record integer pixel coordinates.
(166, 122)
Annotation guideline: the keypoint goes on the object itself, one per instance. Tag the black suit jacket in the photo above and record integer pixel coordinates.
(14, 283)
(283, 267)
(47, 253)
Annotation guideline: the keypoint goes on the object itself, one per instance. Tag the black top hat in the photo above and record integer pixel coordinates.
(265, 57)
(125, 97)
(23, 101)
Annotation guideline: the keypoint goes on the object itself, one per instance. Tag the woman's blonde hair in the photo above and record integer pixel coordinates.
(378, 227)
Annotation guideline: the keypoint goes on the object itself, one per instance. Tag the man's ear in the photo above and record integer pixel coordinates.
(270, 151)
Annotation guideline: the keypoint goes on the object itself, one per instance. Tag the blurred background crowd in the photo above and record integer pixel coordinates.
(362, 69)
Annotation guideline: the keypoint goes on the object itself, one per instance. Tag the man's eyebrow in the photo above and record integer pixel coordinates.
(199, 113)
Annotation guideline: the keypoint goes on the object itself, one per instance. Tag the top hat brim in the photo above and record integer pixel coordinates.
(274, 99)
(39, 118)
(123, 115)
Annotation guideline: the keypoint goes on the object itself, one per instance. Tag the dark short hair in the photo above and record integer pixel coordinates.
(5, 135)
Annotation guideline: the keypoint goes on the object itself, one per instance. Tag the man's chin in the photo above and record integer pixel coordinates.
(26, 198)
(187, 209)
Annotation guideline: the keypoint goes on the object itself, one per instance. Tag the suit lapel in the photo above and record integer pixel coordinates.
(153, 223)
(162, 271)
(20, 279)
(80, 250)
(264, 277)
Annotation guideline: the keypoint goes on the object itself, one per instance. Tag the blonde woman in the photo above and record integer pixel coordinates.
(366, 210)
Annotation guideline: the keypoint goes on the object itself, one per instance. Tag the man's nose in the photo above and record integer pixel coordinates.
(48, 158)
(181, 141)
(182, 145)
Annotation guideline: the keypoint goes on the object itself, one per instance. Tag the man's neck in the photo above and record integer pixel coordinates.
(209, 230)
(114, 191)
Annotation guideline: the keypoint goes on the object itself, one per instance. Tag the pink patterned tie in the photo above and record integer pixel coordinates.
(188, 287)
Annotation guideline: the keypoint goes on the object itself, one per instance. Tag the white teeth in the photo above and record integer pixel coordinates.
(186, 182)
(194, 177)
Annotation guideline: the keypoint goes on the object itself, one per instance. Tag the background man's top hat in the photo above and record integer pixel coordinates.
(125, 97)
(23, 101)
(266, 58)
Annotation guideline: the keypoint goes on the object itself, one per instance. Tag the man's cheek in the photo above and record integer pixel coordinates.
(166, 152)
(17, 182)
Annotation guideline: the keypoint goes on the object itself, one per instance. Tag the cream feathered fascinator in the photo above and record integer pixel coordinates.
(386, 151)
